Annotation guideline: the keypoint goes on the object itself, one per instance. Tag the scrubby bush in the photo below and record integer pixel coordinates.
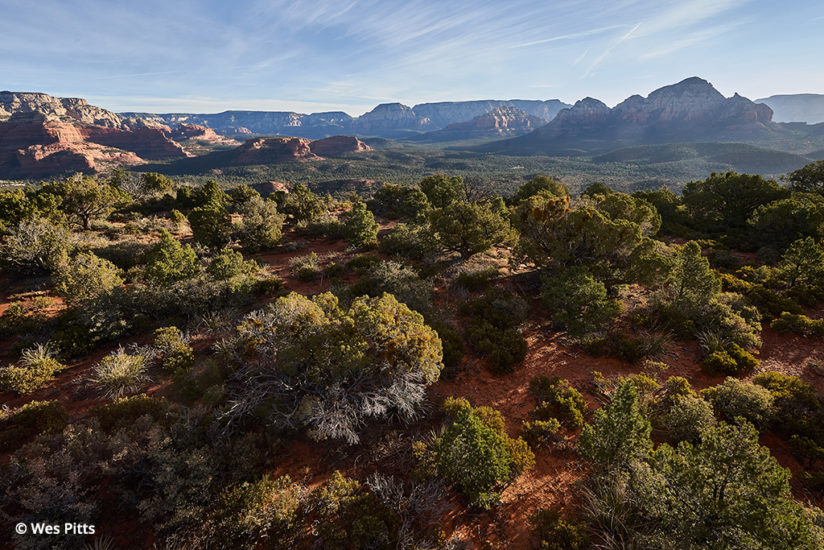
(178, 218)
(36, 246)
(86, 277)
(737, 399)
(476, 280)
(37, 366)
(360, 228)
(556, 533)
(262, 224)
(541, 432)
(169, 260)
(85, 198)
(442, 190)
(798, 323)
(211, 224)
(452, 342)
(229, 263)
(309, 364)
(33, 418)
(540, 184)
(579, 302)
(686, 418)
(558, 399)
(469, 228)
(397, 279)
(412, 241)
(475, 453)
(305, 268)
(175, 353)
(302, 205)
(732, 360)
(398, 201)
(125, 411)
(119, 373)
(491, 329)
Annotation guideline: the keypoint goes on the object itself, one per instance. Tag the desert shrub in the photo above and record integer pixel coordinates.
(731, 360)
(397, 279)
(541, 432)
(453, 348)
(442, 190)
(309, 364)
(798, 323)
(686, 418)
(469, 228)
(540, 184)
(119, 373)
(558, 399)
(36, 246)
(398, 201)
(73, 340)
(333, 270)
(412, 241)
(24, 317)
(475, 453)
(491, 329)
(360, 228)
(268, 512)
(262, 224)
(735, 398)
(579, 302)
(301, 204)
(124, 254)
(31, 419)
(305, 268)
(362, 263)
(37, 366)
(556, 533)
(85, 198)
(326, 224)
(351, 516)
(169, 260)
(211, 224)
(178, 218)
(125, 411)
(86, 277)
(779, 223)
(229, 263)
(175, 353)
(476, 280)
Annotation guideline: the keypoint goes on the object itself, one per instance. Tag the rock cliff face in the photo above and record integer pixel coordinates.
(443, 114)
(499, 122)
(388, 118)
(41, 135)
(690, 111)
(273, 150)
(807, 108)
(337, 145)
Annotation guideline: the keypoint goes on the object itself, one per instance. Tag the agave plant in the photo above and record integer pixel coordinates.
(120, 373)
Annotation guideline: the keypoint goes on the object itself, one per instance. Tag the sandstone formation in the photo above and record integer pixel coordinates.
(337, 145)
(41, 135)
(273, 150)
(499, 122)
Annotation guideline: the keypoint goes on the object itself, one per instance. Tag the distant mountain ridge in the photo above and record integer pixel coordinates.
(689, 111)
(499, 122)
(796, 107)
(385, 120)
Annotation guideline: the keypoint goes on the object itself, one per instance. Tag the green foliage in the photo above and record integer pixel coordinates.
(84, 198)
(596, 188)
(305, 268)
(411, 241)
(733, 360)
(469, 228)
(37, 366)
(349, 516)
(558, 399)
(175, 353)
(399, 280)
(784, 221)
(169, 261)
(262, 224)
(686, 418)
(453, 348)
(491, 329)
(211, 224)
(400, 202)
(476, 280)
(619, 433)
(302, 205)
(211, 193)
(33, 418)
(809, 179)
(800, 324)
(540, 184)
(35, 246)
(119, 373)
(802, 266)
(441, 190)
(156, 183)
(230, 263)
(304, 363)
(476, 454)
(579, 302)
(360, 228)
(125, 411)
(556, 533)
(86, 277)
(738, 399)
(692, 280)
(268, 512)
(178, 218)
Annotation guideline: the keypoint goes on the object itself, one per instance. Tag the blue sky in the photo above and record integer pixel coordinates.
(208, 56)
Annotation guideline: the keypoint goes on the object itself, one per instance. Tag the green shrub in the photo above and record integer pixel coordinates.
(168, 260)
(175, 353)
(686, 418)
(119, 373)
(411, 241)
(333, 270)
(397, 279)
(211, 224)
(732, 361)
(302, 204)
(362, 263)
(735, 398)
(177, 217)
(540, 433)
(476, 280)
(491, 329)
(31, 419)
(475, 453)
(557, 533)
(397, 201)
(262, 224)
(800, 324)
(36, 246)
(37, 366)
(579, 302)
(360, 228)
(229, 263)
(125, 411)
(86, 277)
(73, 341)
(558, 399)
(453, 348)
(305, 268)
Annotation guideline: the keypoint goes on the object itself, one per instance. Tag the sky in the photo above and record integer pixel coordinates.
(319, 55)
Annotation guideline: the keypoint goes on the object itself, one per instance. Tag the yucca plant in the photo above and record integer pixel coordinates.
(37, 366)
(120, 373)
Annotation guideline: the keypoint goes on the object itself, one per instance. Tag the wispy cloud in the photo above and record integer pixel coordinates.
(610, 49)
